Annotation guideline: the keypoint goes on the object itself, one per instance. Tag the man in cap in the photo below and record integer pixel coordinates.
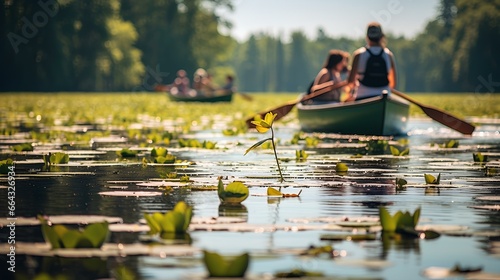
(373, 68)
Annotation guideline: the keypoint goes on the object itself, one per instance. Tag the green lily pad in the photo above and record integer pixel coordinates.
(430, 179)
(177, 220)
(56, 158)
(235, 192)
(60, 236)
(159, 151)
(341, 167)
(223, 266)
(6, 166)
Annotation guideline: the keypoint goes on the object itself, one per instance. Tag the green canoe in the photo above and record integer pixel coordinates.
(383, 115)
(227, 97)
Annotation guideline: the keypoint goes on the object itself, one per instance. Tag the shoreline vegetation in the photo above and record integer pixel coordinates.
(126, 107)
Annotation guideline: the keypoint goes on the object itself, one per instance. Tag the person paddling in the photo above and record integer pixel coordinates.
(373, 67)
(335, 63)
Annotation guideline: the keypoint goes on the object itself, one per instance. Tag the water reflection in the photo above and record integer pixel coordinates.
(233, 210)
(398, 242)
(368, 185)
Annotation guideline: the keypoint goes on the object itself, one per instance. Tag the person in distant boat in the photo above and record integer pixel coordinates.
(202, 82)
(228, 87)
(180, 84)
(335, 63)
(373, 66)
(207, 86)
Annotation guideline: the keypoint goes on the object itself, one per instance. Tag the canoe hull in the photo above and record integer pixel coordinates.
(201, 98)
(382, 115)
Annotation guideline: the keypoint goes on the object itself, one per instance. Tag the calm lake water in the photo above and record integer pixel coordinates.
(273, 230)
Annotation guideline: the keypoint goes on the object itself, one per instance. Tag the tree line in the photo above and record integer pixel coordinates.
(124, 45)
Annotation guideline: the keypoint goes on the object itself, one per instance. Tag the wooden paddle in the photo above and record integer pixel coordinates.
(245, 96)
(283, 110)
(440, 116)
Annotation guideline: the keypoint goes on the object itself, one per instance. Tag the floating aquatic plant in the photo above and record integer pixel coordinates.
(6, 166)
(431, 180)
(274, 192)
(262, 126)
(159, 152)
(397, 152)
(126, 152)
(165, 159)
(177, 220)
(297, 273)
(60, 236)
(235, 192)
(314, 251)
(376, 147)
(194, 143)
(448, 144)
(400, 221)
(311, 141)
(479, 157)
(184, 178)
(297, 137)
(401, 183)
(225, 266)
(301, 155)
(230, 131)
(56, 158)
(25, 147)
(341, 167)
(209, 145)
(403, 223)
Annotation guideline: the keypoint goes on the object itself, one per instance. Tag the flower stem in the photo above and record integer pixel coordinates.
(276, 155)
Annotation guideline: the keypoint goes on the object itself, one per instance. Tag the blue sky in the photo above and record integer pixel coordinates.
(336, 17)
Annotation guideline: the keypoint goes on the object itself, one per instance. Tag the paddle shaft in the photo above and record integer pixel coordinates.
(283, 110)
(440, 116)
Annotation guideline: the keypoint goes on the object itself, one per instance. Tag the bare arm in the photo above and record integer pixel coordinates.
(321, 78)
(392, 74)
(354, 69)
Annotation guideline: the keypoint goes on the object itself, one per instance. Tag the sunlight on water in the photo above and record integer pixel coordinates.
(97, 182)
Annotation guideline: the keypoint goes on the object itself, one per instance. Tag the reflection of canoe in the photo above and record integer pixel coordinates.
(226, 97)
(381, 115)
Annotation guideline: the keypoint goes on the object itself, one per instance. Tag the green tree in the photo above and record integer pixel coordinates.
(280, 65)
(476, 38)
(250, 68)
(298, 73)
(177, 35)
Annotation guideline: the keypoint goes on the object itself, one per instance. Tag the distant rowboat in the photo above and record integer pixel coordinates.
(226, 97)
(383, 115)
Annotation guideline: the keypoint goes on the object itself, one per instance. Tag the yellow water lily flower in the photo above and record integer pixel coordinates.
(263, 125)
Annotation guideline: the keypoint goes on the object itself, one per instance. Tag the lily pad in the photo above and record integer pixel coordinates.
(356, 224)
(489, 198)
(131, 193)
(225, 266)
(349, 236)
(234, 193)
(107, 250)
(487, 207)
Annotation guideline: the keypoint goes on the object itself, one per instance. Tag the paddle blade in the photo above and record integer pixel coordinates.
(440, 116)
(280, 112)
(245, 96)
(449, 120)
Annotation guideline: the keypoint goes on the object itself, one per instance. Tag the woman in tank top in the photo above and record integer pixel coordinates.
(335, 63)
